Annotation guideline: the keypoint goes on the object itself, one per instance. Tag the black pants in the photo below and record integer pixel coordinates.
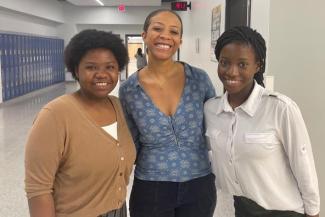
(194, 198)
(245, 207)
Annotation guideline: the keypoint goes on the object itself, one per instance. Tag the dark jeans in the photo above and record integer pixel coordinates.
(245, 207)
(194, 198)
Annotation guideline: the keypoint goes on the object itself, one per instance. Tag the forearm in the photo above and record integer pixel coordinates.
(42, 206)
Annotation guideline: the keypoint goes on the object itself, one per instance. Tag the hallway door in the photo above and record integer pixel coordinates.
(133, 42)
(238, 13)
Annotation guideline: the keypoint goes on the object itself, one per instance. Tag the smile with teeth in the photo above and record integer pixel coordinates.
(231, 82)
(101, 84)
(163, 46)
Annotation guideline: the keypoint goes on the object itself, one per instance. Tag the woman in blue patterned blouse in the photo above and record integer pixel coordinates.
(163, 104)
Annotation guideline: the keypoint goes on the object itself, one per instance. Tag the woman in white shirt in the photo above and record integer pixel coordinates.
(261, 152)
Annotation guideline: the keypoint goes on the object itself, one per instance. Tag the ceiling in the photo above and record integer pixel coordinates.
(118, 2)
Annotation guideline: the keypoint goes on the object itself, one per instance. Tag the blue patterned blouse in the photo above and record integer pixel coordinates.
(169, 148)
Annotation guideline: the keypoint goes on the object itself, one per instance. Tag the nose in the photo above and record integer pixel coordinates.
(233, 70)
(102, 73)
(165, 35)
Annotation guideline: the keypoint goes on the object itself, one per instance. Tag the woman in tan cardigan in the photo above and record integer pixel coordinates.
(75, 165)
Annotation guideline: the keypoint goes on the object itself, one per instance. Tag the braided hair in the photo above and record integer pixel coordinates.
(246, 35)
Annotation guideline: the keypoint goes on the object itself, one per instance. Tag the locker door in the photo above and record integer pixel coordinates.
(5, 63)
(2, 96)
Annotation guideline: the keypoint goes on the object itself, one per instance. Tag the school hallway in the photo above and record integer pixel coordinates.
(34, 33)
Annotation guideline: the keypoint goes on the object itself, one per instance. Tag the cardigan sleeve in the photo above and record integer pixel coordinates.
(44, 150)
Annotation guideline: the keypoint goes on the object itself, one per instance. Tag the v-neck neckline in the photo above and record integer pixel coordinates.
(82, 111)
(179, 103)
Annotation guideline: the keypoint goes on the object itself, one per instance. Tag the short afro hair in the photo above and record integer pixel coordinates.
(90, 39)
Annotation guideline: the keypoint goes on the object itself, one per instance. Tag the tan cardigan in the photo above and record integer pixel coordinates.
(69, 156)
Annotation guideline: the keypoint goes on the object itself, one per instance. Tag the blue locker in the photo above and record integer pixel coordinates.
(24, 68)
(15, 66)
(2, 73)
(4, 66)
(29, 63)
(20, 65)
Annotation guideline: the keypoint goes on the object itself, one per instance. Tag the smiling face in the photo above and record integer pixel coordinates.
(163, 36)
(236, 69)
(97, 73)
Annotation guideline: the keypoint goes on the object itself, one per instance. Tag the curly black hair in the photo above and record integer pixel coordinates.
(246, 35)
(89, 39)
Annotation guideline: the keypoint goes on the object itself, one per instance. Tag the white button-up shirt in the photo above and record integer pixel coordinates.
(261, 150)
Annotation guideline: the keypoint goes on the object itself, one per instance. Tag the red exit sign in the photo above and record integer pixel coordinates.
(179, 6)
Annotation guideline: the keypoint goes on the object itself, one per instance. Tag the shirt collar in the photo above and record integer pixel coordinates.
(249, 106)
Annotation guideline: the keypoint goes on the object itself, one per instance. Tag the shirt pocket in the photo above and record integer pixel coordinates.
(266, 140)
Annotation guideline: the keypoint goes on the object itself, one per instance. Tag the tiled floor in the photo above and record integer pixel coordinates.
(16, 118)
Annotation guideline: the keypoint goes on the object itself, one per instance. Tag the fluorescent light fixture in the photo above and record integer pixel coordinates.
(99, 2)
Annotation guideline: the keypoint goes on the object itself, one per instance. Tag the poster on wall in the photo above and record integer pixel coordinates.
(215, 30)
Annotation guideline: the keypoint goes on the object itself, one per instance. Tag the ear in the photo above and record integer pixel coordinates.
(181, 41)
(258, 66)
(144, 35)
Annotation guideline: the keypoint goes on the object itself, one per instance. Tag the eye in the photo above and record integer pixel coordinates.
(110, 67)
(157, 28)
(223, 63)
(174, 32)
(91, 67)
(242, 65)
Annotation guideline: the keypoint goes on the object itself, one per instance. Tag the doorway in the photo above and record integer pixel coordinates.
(133, 42)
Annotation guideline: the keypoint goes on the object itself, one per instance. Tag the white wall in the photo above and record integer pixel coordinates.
(13, 21)
(45, 9)
(122, 30)
(104, 18)
(260, 19)
(296, 59)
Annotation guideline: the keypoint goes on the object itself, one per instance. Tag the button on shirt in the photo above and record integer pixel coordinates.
(169, 148)
(261, 150)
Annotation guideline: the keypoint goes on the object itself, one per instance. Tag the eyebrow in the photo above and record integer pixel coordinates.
(160, 23)
(90, 62)
(226, 57)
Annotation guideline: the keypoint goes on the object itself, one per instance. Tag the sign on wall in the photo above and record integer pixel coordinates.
(215, 30)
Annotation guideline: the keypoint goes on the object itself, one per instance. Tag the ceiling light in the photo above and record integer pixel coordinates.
(99, 2)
